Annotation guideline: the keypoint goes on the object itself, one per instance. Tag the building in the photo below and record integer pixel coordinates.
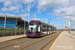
(12, 22)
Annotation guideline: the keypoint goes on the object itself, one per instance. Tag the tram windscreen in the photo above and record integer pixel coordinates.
(32, 28)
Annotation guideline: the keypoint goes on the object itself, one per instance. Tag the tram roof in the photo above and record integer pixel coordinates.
(40, 22)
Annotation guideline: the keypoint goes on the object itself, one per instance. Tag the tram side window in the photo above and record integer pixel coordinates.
(48, 28)
(38, 28)
(44, 28)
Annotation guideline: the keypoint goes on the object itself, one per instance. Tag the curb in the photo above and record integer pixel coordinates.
(13, 38)
(52, 47)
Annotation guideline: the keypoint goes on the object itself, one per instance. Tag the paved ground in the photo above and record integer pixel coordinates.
(2, 39)
(66, 41)
(43, 43)
(72, 32)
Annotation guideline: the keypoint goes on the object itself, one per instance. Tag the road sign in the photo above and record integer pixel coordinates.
(68, 26)
(65, 27)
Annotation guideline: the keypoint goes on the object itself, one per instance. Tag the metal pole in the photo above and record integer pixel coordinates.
(68, 17)
(49, 21)
(66, 26)
(16, 23)
(24, 27)
(5, 20)
(28, 13)
(25, 17)
(68, 22)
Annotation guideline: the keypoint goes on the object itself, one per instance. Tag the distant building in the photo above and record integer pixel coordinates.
(12, 22)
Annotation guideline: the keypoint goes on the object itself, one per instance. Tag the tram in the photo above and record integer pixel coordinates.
(38, 28)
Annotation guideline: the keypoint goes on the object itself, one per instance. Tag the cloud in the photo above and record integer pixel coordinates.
(72, 2)
(58, 8)
(22, 10)
(4, 9)
(62, 13)
(11, 8)
(16, 5)
(45, 4)
(7, 14)
(37, 19)
(7, 3)
(30, 1)
(23, 16)
(2, 0)
(10, 5)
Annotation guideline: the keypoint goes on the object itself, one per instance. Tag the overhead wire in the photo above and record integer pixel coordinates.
(48, 5)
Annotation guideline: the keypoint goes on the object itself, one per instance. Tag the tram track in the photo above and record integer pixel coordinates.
(36, 42)
(16, 43)
(19, 39)
(48, 43)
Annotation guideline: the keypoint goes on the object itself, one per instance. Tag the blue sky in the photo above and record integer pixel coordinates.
(56, 10)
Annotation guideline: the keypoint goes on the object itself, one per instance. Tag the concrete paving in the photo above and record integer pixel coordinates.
(66, 41)
(3, 39)
(73, 32)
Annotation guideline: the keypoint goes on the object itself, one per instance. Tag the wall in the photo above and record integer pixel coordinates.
(9, 23)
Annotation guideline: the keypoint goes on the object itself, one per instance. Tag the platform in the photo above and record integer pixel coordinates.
(3, 39)
(65, 41)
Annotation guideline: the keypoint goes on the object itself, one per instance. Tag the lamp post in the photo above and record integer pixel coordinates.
(25, 17)
(49, 23)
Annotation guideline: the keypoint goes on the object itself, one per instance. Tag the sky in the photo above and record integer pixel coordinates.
(56, 10)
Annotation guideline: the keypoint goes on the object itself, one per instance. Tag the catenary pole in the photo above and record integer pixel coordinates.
(28, 13)
(25, 17)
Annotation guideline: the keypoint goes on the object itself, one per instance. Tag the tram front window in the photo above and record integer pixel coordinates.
(32, 28)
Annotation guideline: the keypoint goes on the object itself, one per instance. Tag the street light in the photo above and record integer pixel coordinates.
(25, 17)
